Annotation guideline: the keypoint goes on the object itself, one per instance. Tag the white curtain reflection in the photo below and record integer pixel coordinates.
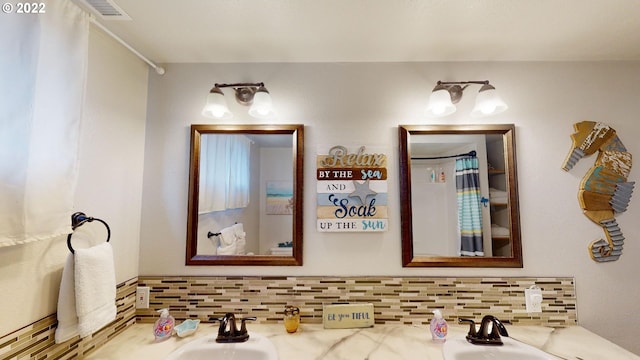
(224, 172)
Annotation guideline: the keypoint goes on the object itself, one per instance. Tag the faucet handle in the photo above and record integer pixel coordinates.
(472, 326)
(243, 326)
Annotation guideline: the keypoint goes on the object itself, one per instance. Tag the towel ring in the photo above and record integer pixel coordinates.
(77, 220)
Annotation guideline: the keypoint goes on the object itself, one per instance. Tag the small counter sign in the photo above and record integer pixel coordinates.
(352, 190)
(345, 316)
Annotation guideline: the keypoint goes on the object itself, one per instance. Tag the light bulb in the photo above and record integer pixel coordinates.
(488, 102)
(217, 111)
(216, 106)
(262, 105)
(488, 109)
(440, 104)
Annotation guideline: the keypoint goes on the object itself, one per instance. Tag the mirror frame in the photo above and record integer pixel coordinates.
(192, 258)
(408, 259)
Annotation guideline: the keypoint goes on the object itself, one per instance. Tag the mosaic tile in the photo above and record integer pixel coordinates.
(37, 340)
(407, 300)
(397, 300)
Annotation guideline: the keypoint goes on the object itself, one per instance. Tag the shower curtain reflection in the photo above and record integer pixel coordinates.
(469, 206)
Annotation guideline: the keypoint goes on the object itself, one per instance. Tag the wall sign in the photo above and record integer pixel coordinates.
(352, 190)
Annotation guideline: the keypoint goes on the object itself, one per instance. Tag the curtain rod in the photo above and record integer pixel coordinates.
(471, 153)
(159, 69)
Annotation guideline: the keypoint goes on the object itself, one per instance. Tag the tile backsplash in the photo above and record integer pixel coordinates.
(37, 340)
(396, 300)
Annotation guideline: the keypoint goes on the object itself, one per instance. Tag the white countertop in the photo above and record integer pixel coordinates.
(381, 342)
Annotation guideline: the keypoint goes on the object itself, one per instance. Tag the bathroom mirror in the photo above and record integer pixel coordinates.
(459, 196)
(245, 195)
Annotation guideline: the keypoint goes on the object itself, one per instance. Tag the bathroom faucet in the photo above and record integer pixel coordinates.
(483, 336)
(228, 331)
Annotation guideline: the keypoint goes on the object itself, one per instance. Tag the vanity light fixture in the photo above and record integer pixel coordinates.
(447, 93)
(248, 94)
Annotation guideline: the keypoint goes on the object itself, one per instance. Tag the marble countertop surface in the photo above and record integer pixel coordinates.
(381, 342)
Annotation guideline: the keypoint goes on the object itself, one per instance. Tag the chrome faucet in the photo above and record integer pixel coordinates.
(483, 336)
(228, 331)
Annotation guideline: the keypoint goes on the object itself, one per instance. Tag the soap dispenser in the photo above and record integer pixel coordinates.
(163, 328)
(438, 327)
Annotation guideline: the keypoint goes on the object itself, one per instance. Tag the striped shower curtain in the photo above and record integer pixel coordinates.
(469, 206)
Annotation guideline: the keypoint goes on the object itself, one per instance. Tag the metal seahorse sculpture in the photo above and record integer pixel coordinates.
(604, 190)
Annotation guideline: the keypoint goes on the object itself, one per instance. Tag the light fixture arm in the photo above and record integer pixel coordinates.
(239, 85)
(254, 95)
(479, 82)
(447, 93)
(455, 90)
(244, 91)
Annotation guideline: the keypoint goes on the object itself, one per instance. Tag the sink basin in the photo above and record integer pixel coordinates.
(458, 348)
(258, 347)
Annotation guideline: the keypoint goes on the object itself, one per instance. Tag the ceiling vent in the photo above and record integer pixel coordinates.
(107, 9)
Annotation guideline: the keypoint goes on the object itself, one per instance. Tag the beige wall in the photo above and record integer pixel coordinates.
(109, 185)
(363, 103)
(347, 103)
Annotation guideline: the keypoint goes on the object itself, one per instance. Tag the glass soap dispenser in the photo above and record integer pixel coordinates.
(291, 318)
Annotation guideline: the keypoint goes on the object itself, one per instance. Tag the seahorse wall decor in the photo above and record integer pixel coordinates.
(604, 190)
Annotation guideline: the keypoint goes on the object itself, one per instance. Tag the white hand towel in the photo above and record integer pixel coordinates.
(286, 251)
(238, 228)
(67, 316)
(227, 236)
(497, 230)
(95, 286)
(241, 246)
(227, 250)
(498, 195)
(241, 240)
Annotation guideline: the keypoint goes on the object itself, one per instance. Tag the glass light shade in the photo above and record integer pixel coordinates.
(440, 103)
(216, 106)
(262, 106)
(488, 102)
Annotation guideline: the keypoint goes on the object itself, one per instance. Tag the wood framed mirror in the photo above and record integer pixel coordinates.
(245, 195)
(441, 166)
